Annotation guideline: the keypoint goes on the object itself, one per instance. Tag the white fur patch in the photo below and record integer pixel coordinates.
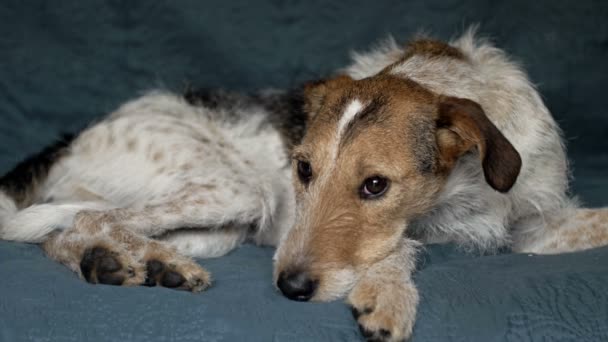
(34, 223)
(352, 109)
(339, 282)
(7, 209)
(148, 153)
(369, 63)
(349, 114)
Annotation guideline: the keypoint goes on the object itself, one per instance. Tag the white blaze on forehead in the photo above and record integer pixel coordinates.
(352, 109)
(350, 112)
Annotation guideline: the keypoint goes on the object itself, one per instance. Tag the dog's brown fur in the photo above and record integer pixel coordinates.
(421, 136)
(360, 228)
(410, 131)
(415, 159)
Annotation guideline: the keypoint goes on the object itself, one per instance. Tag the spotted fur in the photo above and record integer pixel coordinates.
(159, 179)
(472, 154)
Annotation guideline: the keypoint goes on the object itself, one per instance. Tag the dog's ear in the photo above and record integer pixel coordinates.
(316, 91)
(463, 125)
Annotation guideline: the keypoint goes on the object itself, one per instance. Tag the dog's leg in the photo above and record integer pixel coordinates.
(385, 299)
(100, 250)
(194, 208)
(195, 227)
(574, 230)
(207, 243)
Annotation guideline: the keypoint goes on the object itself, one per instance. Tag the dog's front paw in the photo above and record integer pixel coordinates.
(384, 308)
(102, 265)
(169, 269)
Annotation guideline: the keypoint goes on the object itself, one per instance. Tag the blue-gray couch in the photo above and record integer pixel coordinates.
(65, 63)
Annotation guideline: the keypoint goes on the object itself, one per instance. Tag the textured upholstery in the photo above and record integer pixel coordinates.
(65, 63)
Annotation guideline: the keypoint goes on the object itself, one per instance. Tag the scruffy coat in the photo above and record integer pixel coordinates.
(201, 173)
(457, 134)
(434, 142)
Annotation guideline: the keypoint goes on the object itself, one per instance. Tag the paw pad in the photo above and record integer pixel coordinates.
(159, 273)
(100, 265)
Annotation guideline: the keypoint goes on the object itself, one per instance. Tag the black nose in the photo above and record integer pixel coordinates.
(296, 285)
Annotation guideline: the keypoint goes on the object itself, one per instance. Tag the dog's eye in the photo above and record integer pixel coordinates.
(374, 187)
(304, 171)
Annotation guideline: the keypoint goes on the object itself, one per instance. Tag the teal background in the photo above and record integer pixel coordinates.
(66, 63)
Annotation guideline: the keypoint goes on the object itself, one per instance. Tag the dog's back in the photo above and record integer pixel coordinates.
(147, 149)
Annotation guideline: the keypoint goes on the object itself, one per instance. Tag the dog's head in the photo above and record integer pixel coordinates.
(375, 156)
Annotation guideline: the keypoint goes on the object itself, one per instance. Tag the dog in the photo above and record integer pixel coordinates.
(163, 178)
(431, 143)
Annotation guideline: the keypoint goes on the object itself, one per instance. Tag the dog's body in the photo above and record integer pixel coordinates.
(431, 143)
(203, 176)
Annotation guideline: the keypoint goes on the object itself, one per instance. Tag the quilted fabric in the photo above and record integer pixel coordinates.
(511, 298)
(65, 63)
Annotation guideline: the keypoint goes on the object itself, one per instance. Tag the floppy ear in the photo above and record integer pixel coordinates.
(316, 91)
(462, 125)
